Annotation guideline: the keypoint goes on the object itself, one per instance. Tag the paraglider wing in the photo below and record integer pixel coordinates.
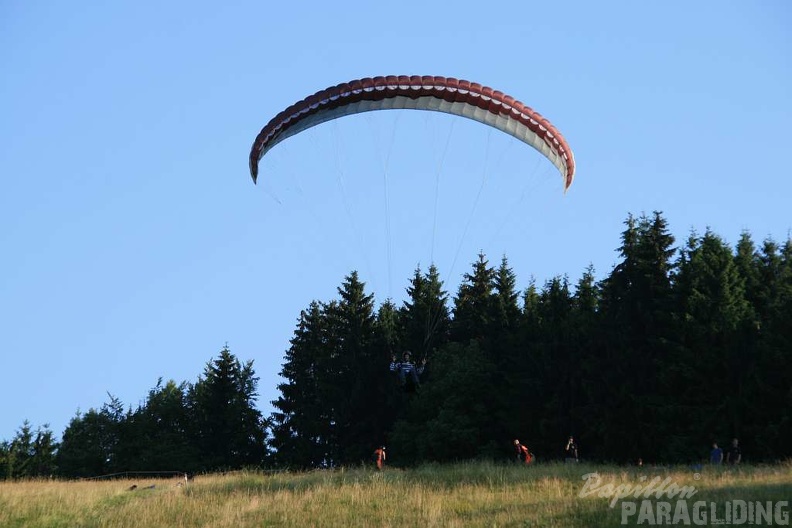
(439, 94)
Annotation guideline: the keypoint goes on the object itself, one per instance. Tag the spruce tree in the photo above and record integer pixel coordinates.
(353, 373)
(229, 428)
(557, 362)
(160, 431)
(765, 394)
(701, 382)
(89, 446)
(637, 302)
(424, 317)
(473, 304)
(585, 344)
(300, 425)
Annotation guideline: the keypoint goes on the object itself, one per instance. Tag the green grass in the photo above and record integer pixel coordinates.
(470, 494)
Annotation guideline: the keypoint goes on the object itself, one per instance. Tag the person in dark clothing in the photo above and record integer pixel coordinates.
(407, 369)
(571, 450)
(716, 455)
(734, 454)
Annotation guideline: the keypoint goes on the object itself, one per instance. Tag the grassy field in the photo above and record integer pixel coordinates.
(474, 494)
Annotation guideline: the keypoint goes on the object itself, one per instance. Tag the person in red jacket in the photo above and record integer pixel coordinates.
(523, 454)
(379, 456)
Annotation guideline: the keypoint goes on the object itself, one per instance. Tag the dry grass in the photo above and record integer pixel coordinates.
(476, 494)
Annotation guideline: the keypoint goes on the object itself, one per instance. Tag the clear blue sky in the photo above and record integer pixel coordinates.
(134, 244)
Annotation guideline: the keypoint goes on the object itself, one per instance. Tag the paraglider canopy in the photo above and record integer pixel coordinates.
(431, 93)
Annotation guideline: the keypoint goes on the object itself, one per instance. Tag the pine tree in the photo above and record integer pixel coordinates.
(637, 304)
(353, 374)
(160, 433)
(507, 309)
(90, 443)
(524, 373)
(557, 367)
(584, 345)
(424, 317)
(336, 369)
(229, 428)
(503, 345)
(701, 381)
(300, 430)
(30, 454)
(765, 392)
(42, 463)
(473, 304)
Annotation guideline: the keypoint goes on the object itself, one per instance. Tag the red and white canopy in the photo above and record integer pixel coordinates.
(439, 94)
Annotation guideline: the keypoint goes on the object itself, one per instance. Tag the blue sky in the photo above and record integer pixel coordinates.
(135, 245)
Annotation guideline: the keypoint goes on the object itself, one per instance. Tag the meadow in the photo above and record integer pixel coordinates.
(465, 494)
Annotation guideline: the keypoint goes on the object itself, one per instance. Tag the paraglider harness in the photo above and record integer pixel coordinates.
(408, 371)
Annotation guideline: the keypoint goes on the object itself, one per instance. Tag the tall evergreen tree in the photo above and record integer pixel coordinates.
(585, 349)
(159, 433)
(765, 394)
(353, 373)
(557, 365)
(637, 302)
(473, 304)
(424, 317)
(507, 309)
(701, 378)
(30, 454)
(300, 430)
(89, 446)
(20, 453)
(524, 374)
(42, 464)
(746, 259)
(503, 337)
(229, 428)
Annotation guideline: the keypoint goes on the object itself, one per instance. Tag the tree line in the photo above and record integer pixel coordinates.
(677, 347)
(212, 424)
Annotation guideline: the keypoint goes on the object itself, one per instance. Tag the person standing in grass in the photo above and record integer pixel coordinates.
(379, 457)
(571, 450)
(734, 454)
(523, 453)
(716, 455)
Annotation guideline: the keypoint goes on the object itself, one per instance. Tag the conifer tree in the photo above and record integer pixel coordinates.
(89, 445)
(585, 348)
(30, 454)
(352, 373)
(504, 349)
(159, 434)
(300, 425)
(473, 304)
(637, 302)
(524, 372)
(556, 361)
(424, 317)
(507, 309)
(229, 428)
(700, 387)
(765, 394)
